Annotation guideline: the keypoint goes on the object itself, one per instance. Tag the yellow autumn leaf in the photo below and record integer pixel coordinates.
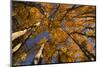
(23, 56)
(43, 40)
(64, 49)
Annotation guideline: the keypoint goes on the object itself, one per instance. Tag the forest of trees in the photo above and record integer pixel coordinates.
(57, 33)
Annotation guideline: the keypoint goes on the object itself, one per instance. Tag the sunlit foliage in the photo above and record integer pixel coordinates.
(68, 32)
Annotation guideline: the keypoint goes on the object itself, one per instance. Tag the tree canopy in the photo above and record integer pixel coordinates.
(67, 31)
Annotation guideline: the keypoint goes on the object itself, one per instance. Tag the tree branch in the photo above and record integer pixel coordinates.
(53, 12)
(35, 4)
(86, 53)
(83, 34)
